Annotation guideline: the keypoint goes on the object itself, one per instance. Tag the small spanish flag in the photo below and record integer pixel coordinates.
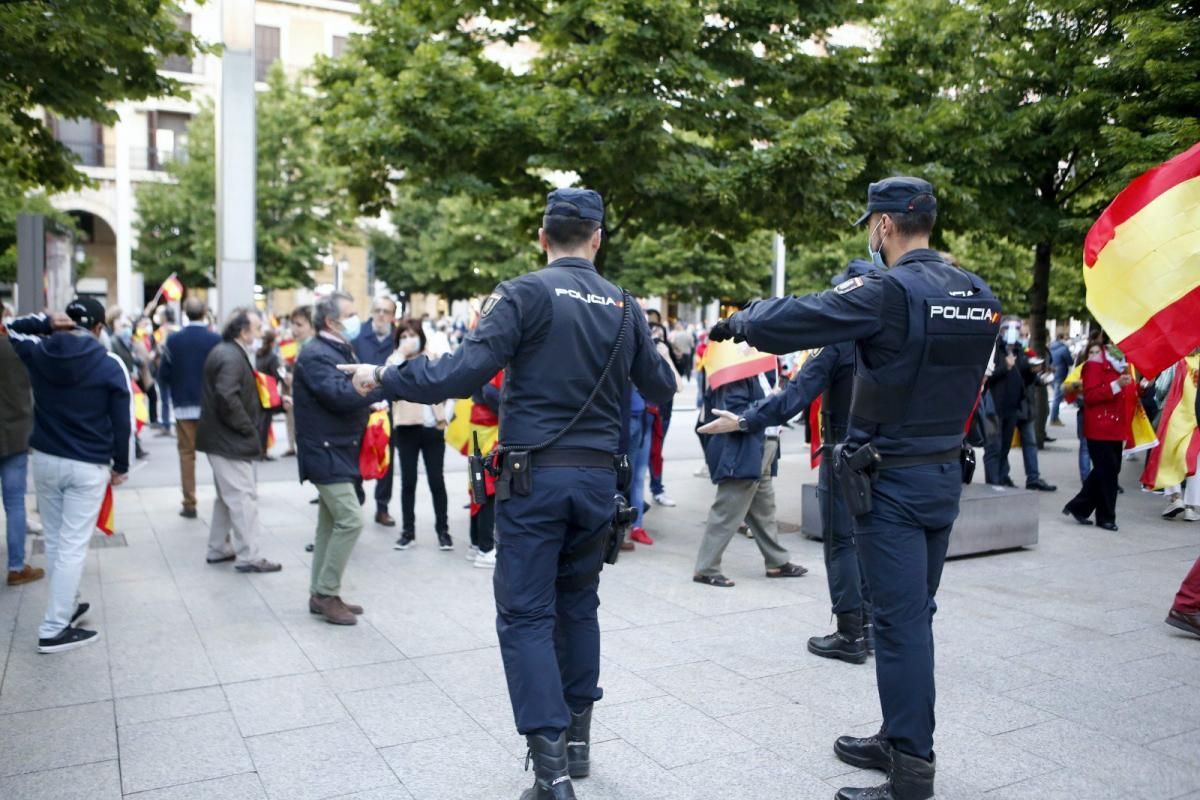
(288, 350)
(726, 362)
(104, 521)
(141, 406)
(172, 289)
(268, 390)
(1142, 265)
(814, 433)
(375, 456)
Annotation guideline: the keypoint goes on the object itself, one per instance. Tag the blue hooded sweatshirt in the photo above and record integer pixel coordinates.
(81, 394)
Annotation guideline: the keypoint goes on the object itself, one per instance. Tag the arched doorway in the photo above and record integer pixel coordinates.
(95, 257)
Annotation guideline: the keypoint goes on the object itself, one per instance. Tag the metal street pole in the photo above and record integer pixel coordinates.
(778, 278)
(31, 263)
(236, 161)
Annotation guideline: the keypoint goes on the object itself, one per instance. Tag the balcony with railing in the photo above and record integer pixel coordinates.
(156, 159)
(91, 154)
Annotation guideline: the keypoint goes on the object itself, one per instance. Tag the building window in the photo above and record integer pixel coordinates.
(180, 63)
(339, 46)
(167, 137)
(266, 50)
(84, 138)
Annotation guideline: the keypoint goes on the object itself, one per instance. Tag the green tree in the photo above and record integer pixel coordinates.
(74, 59)
(301, 209)
(700, 123)
(1029, 116)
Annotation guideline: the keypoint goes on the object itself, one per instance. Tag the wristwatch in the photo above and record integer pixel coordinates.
(379, 374)
(743, 426)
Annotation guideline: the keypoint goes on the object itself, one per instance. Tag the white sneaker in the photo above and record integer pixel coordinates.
(472, 551)
(1176, 507)
(486, 560)
(1191, 514)
(662, 500)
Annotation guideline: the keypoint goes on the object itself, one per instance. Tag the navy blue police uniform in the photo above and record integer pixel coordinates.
(553, 331)
(829, 374)
(924, 332)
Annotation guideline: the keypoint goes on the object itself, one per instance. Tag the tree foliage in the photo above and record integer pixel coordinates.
(301, 208)
(74, 60)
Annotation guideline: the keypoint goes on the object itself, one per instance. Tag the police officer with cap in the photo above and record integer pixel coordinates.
(924, 333)
(570, 341)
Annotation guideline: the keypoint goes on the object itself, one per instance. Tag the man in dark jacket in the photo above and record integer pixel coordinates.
(330, 419)
(374, 344)
(182, 372)
(16, 423)
(742, 466)
(81, 441)
(1011, 377)
(228, 433)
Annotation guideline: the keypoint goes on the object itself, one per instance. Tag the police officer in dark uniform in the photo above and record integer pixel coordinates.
(924, 332)
(554, 331)
(829, 374)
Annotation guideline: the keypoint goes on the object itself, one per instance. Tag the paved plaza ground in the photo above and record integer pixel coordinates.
(1056, 675)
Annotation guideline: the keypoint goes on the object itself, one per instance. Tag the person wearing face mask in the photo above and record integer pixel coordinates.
(1108, 396)
(418, 431)
(923, 333)
(1008, 386)
(228, 433)
(374, 344)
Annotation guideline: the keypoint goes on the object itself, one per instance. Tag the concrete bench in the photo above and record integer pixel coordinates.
(988, 520)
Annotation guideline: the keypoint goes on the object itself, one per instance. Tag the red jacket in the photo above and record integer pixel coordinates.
(1105, 415)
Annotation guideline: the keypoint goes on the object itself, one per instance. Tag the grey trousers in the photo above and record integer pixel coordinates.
(751, 501)
(234, 527)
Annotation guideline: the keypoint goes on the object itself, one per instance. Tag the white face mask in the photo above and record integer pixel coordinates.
(1097, 357)
(409, 345)
(1010, 335)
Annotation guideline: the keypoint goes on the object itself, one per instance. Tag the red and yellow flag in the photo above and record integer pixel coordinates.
(288, 350)
(1176, 459)
(104, 521)
(268, 390)
(1142, 265)
(172, 289)
(141, 407)
(727, 361)
(376, 453)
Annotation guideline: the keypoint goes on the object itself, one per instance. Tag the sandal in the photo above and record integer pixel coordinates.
(713, 580)
(788, 570)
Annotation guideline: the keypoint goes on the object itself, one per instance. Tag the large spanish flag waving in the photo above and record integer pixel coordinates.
(1142, 265)
(1176, 459)
(726, 362)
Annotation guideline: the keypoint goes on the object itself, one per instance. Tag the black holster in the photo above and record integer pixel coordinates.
(854, 470)
(623, 519)
(966, 459)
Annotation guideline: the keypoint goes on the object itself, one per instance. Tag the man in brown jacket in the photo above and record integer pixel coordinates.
(228, 433)
(16, 423)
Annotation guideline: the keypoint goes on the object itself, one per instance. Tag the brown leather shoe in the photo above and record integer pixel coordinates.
(385, 519)
(1185, 621)
(334, 610)
(25, 574)
(315, 608)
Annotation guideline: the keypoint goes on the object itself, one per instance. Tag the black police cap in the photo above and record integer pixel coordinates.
(900, 194)
(86, 312)
(580, 203)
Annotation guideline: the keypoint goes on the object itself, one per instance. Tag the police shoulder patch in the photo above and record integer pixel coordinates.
(493, 300)
(848, 286)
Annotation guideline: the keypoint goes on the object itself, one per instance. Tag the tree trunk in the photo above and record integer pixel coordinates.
(1039, 296)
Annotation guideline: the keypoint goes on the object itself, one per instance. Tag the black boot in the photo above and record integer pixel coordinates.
(846, 643)
(550, 778)
(579, 743)
(872, 752)
(911, 779)
(868, 625)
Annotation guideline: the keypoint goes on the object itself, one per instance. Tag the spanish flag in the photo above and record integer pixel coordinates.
(1176, 459)
(1142, 265)
(104, 521)
(141, 407)
(726, 362)
(268, 390)
(375, 455)
(288, 350)
(172, 289)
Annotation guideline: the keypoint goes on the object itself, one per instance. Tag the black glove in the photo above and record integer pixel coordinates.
(723, 331)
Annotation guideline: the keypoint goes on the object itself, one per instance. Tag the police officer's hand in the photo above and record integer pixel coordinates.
(362, 376)
(723, 331)
(726, 422)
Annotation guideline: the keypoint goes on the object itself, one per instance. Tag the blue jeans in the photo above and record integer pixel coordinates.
(12, 481)
(641, 432)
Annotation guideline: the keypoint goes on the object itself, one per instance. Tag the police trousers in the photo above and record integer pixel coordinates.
(902, 547)
(549, 550)
(848, 591)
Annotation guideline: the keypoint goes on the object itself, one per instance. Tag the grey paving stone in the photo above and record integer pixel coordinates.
(174, 751)
(672, 732)
(424, 631)
(832, 690)
(388, 793)
(245, 652)
(33, 681)
(985, 711)
(332, 646)
(712, 689)
(757, 775)
(623, 686)
(99, 781)
(462, 676)
(494, 772)
(1064, 784)
(620, 771)
(427, 714)
(75, 735)
(170, 705)
(245, 786)
(1184, 746)
(642, 648)
(373, 676)
(984, 762)
(318, 762)
(159, 658)
(279, 704)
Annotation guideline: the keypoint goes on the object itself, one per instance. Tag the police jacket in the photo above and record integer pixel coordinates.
(330, 415)
(736, 456)
(923, 332)
(552, 330)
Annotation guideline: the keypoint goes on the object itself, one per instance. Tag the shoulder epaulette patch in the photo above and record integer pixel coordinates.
(848, 286)
(493, 299)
